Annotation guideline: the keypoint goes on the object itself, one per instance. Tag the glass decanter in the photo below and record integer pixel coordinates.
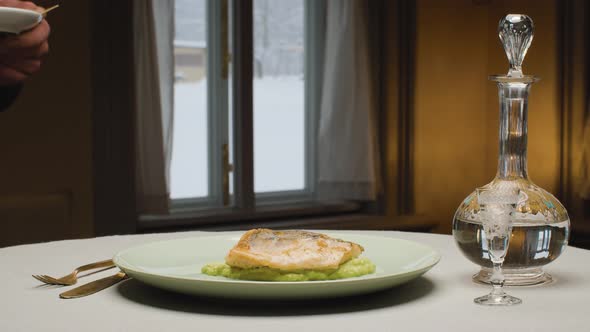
(538, 223)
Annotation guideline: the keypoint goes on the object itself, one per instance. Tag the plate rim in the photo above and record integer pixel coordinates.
(120, 263)
(15, 25)
(20, 10)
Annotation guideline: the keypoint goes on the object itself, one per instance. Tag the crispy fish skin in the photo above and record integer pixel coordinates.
(290, 250)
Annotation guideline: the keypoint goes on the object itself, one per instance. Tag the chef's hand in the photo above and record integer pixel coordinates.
(21, 55)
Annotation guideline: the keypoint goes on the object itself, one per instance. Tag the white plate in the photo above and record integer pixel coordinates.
(16, 20)
(176, 265)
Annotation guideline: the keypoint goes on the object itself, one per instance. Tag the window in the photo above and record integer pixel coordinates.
(203, 190)
(189, 159)
(283, 89)
(279, 98)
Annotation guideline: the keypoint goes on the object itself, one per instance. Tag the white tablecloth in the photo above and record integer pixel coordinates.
(441, 300)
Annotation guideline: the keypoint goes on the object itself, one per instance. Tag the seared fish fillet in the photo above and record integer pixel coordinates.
(290, 250)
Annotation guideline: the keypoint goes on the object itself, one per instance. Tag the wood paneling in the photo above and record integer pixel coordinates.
(456, 107)
(450, 105)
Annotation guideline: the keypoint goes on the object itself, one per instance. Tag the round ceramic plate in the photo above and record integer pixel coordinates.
(176, 265)
(16, 20)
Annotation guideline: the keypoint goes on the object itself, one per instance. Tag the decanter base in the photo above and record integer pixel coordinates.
(516, 277)
(497, 300)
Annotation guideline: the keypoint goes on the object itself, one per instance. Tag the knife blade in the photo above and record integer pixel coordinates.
(93, 286)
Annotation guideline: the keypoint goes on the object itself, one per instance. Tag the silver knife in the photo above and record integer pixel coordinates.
(94, 286)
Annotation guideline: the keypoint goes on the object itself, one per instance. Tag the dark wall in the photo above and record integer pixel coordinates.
(45, 141)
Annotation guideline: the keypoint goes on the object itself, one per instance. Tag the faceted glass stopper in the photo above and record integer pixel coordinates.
(516, 34)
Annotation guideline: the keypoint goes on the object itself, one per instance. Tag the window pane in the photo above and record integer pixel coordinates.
(189, 169)
(279, 112)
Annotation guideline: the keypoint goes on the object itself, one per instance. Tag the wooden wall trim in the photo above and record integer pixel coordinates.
(113, 117)
(377, 32)
(563, 52)
(407, 59)
(397, 78)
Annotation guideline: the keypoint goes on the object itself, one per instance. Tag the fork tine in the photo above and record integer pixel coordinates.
(54, 281)
(38, 278)
(49, 280)
(43, 279)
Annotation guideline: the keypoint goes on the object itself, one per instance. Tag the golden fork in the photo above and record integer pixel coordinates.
(72, 278)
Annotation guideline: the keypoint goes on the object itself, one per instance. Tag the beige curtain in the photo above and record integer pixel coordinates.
(347, 144)
(154, 77)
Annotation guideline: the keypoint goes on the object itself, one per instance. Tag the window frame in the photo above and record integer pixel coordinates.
(244, 196)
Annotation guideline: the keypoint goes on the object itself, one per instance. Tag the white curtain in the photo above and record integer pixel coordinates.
(347, 143)
(154, 77)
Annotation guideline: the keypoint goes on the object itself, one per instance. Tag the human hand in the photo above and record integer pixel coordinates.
(21, 55)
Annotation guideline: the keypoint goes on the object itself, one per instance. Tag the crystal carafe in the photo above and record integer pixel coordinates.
(539, 224)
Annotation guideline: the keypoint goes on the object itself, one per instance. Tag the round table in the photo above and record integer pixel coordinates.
(441, 300)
